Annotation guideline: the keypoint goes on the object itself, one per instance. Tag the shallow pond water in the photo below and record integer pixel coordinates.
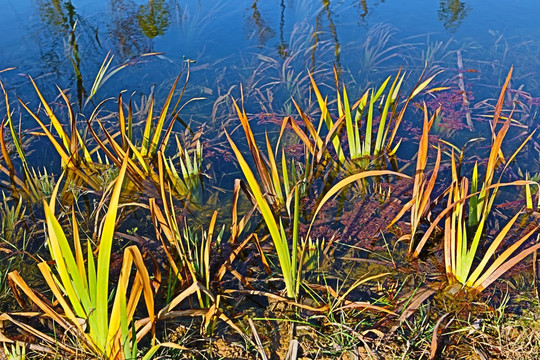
(224, 41)
(267, 47)
(264, 50)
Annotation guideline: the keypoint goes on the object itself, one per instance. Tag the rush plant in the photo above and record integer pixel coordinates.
(287, 246)
(85, 160)
(461, 245)
(155, 140)
(287, 254)
(277, 189)
(420, 203)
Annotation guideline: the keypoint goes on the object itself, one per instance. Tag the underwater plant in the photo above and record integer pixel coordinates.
(85, 164)
(287, 246)
(375, 144)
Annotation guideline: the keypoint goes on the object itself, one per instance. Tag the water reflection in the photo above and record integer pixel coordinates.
(52, 14)
(283, 46)
(364, 7)
(452, 13)
(326, 11)
(154, 18)
(72, 42)
(124, 30)
(62, 20)
(134, 26)
(263, 31)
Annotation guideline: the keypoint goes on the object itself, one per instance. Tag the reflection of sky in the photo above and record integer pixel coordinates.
(228, 25)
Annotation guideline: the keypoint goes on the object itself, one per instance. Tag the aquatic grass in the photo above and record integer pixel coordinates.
(11, 217)
(286, 248)
(461, 249)
(359, 119)
(29, 182)
(81, 286)
(199, 250)
(193, 252)
(72, 149)
(193, 265)
(194, 256)
(375, 50)
(34, 185)
(420, 203)
(530, 192)
(277, 183)
(188, 180)
(287, 258)
(432, 55)
(462, 237)
(104, 73)
(85, 164)
(357, 148)
(155, 140)
(281, 186)
(288, 80)
(16, 350)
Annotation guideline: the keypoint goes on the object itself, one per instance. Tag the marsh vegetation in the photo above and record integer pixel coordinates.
(284, 205)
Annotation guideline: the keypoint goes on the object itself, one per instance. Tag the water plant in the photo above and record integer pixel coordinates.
(462, 236)
(86, 164)
(29, 183)
(190, 259)
(213, 268)
(461, 249)
(81, 287)
(359, 118)
(277, 189)
(12, 216)
(286, 246)
(377, 49)
(288, 257)
(420, 203)
(142, 164)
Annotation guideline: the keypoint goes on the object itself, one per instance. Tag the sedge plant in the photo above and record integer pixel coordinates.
(420, 203)
(365, 141)
(287, 246)
(85, 162)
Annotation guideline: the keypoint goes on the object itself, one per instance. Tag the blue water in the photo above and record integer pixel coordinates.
(227, 35)
(267, 46)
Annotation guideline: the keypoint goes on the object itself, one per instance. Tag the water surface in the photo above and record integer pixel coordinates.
(268, 47)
